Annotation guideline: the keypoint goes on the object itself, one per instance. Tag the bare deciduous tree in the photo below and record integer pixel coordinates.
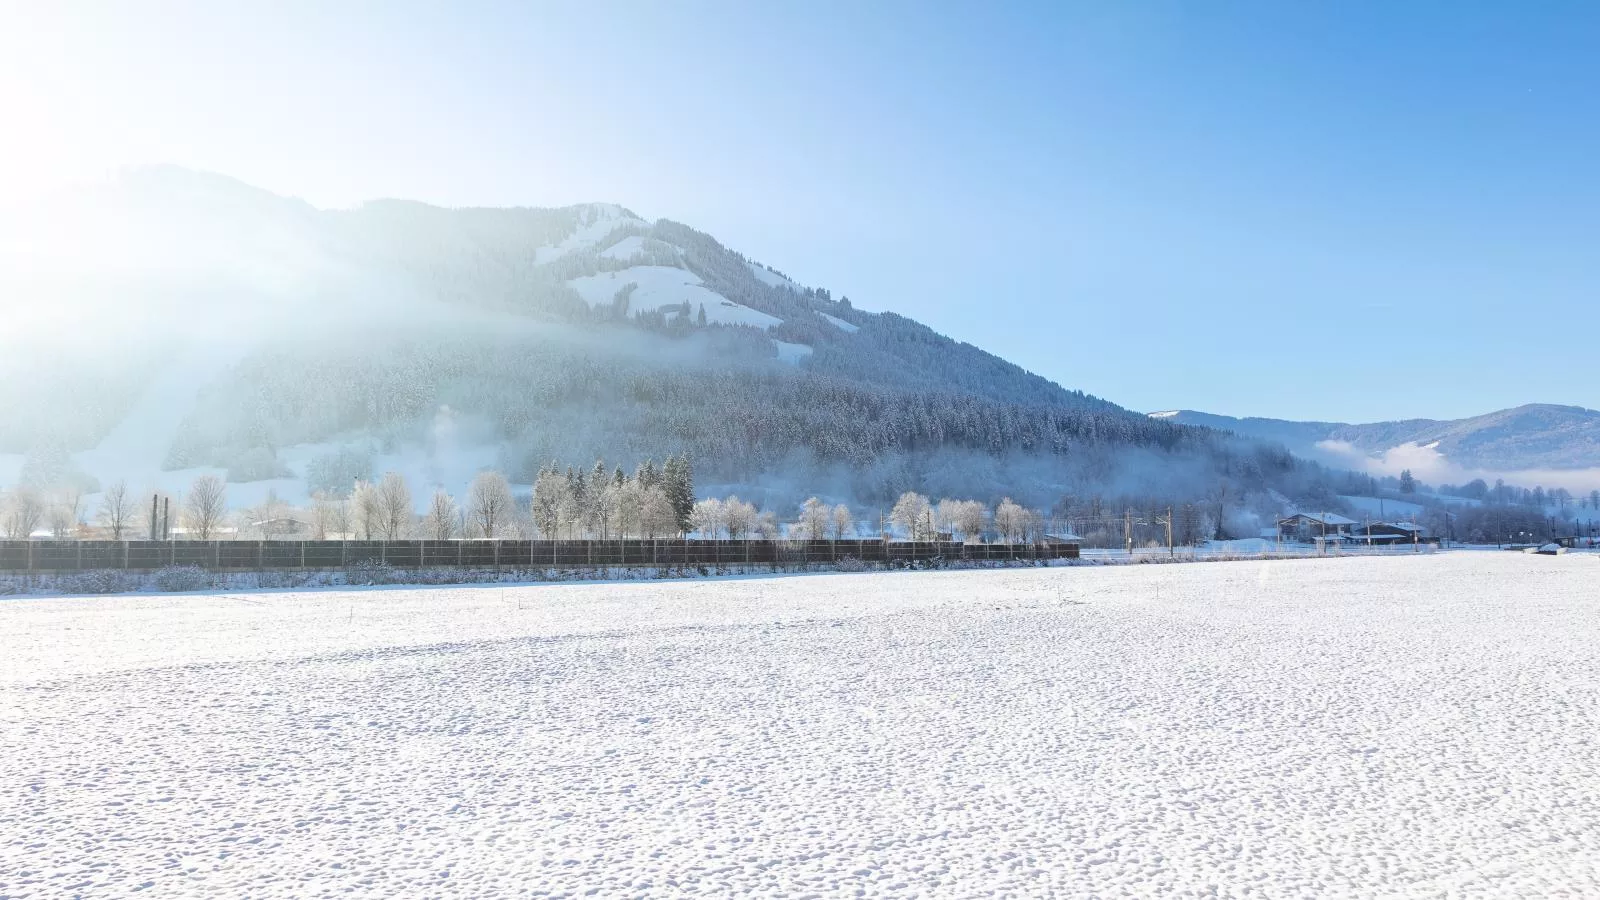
(270, 518)
(116, 509)
(656, 515)
(23, 513)
(913, 513)
(394, 507)
(490, 503)
(842, 522)
(550, 501)
(1011, 520)
(738, 517)
(366, 510)
(62, 513)
(439, 523)
(630, 508)
(330, 516)
(815, 517)
(707, 517)
(206, 507)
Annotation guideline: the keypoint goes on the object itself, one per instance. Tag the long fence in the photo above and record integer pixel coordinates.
(78, 556)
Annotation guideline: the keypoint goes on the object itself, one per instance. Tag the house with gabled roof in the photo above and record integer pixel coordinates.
(1306, 528)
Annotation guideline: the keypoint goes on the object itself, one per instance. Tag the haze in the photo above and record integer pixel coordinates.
(1105, 194)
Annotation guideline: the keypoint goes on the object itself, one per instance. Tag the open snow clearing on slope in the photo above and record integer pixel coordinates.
(1342, 727)
(842, 325)
(658, 286)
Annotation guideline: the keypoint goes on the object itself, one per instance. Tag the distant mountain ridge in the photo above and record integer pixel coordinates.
(1530, 437)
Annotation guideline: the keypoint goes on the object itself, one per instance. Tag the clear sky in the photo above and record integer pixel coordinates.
(1341, 211)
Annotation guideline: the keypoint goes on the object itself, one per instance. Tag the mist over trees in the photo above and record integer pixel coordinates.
(474, 311)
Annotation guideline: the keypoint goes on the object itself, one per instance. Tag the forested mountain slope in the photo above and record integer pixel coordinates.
(186, 322)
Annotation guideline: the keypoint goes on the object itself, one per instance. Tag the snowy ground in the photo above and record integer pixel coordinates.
(1419, 726)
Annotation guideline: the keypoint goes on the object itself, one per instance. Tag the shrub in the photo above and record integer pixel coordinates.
(850, 564)
(282, 580)
(182, 578)
(371, 571)
(97, 581)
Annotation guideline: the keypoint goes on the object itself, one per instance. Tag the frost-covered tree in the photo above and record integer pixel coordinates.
(738, 517)
(1010, 520)
(330, 516)
(394, 499)
(657, 518)
(766, 527)
(366, 510)
(607, 494)
(206, 506)
(630, 508)
(552, 498)
(969, 518)
(913, 513)
(439, 522)
(489, 503)
(1408, 484)
(116, 509)
(815, 517)
(707, 517)
(647, 475)
(841, 522)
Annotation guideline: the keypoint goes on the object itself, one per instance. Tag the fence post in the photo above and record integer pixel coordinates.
(124, 556)
(30, 553)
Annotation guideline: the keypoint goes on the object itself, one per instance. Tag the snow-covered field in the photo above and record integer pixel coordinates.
(1416, 726)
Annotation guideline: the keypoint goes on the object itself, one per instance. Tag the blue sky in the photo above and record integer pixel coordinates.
(1338, 211)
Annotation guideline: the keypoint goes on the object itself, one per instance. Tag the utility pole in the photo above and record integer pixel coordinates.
(155, 519)
(1127, 530)
(1172, 551)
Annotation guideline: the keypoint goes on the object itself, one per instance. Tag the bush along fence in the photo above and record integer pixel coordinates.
(239, 556)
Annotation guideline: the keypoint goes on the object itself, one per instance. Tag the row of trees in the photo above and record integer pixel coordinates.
(600, 502)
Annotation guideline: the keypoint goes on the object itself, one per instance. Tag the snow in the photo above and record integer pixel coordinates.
(1164, 415)
(841, 324)
(791, 353)
(660, 286)
(601, 220)
(1324, 518)
(1379, 508)
(767, 276)
(625, 249)
(1414, 726)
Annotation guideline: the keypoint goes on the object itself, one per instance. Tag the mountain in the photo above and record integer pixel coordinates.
(173, 323)
(1536, 438)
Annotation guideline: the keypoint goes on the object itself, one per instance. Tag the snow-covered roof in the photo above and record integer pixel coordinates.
(1322, 518)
